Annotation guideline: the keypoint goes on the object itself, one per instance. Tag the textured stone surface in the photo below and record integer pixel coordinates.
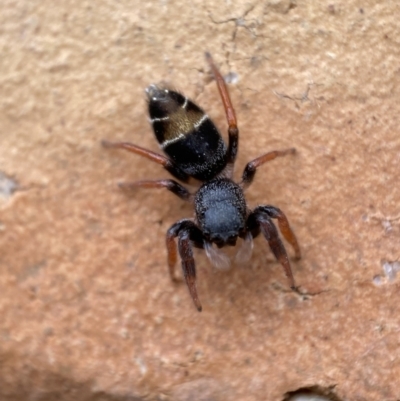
(88, 310)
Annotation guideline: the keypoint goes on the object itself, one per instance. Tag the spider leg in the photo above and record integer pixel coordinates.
(188, 235)
(251, 167)
(171, 185)
(284, 226)
(258, 220)
(148, 154)
(233, 131)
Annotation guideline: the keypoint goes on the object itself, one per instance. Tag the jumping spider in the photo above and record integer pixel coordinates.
(195, 149)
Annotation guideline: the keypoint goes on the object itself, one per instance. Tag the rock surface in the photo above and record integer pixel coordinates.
(88, 309)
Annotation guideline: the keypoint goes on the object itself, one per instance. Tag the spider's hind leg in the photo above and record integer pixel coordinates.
(171, 185)
(233, 131)
(168, 164)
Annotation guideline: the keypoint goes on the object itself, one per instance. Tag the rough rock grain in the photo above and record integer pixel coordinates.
(87, 308)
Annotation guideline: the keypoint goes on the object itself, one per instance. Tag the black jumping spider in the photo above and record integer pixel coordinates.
(195, 149)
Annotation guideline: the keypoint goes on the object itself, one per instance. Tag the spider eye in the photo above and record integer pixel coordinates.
(218, 241)
(232, 240)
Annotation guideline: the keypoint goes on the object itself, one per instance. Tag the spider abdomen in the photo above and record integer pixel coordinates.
(186, 134)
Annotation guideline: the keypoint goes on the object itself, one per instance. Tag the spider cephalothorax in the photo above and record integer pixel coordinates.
(195, 149)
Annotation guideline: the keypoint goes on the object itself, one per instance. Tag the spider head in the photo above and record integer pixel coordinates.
(224, 239)
(221, 211)
(222, 226)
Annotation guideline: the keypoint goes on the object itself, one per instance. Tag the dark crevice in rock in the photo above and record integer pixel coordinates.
(312, 393)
